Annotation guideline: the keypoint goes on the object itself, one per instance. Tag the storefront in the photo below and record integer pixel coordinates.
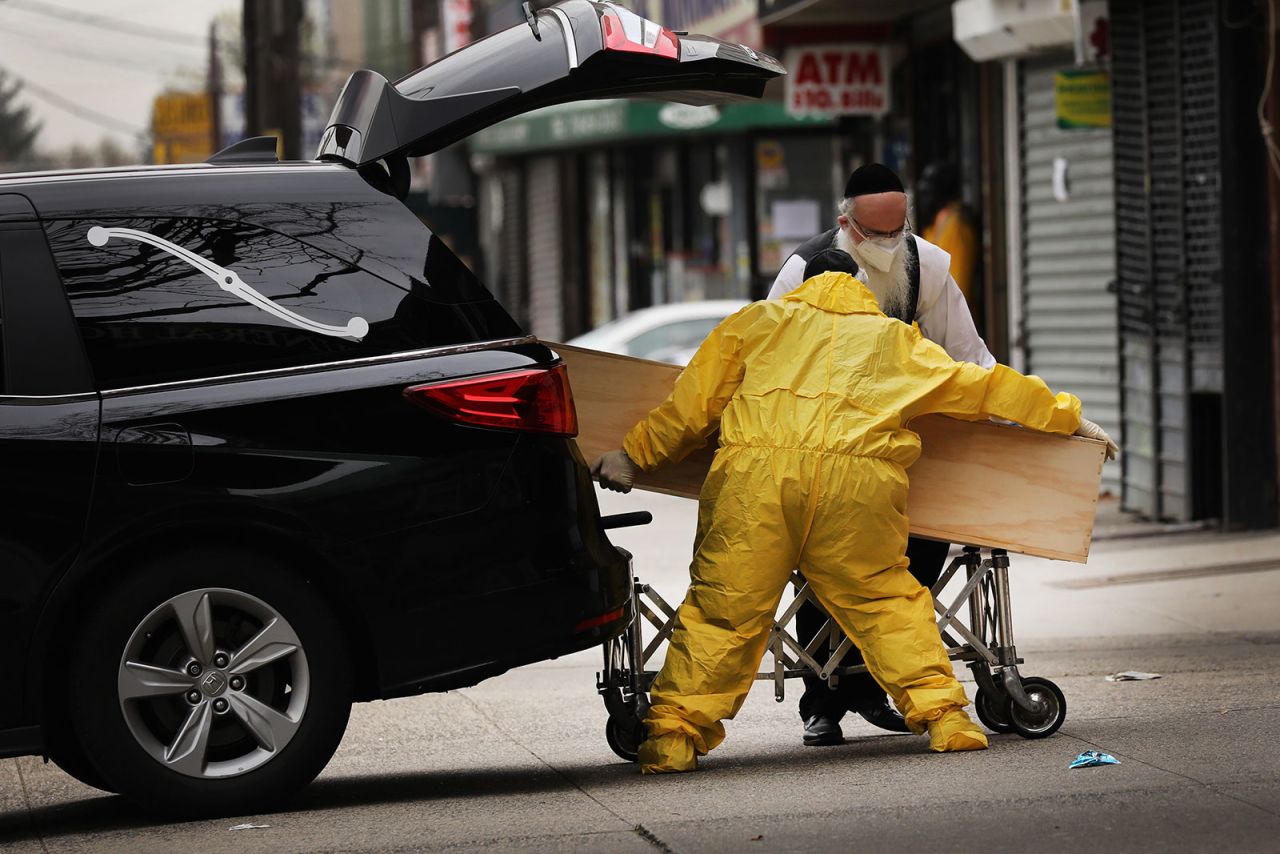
(1132, 229)
(1057, 225)
(624, 204)
(899, 88)
(1066, 227)
(1193, 275)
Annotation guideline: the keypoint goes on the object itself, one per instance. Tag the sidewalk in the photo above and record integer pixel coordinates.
(1112, 523)
(1142, 581)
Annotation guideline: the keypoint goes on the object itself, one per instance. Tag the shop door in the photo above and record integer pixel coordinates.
(546, 263)
(1168, 181)
(1068, 253)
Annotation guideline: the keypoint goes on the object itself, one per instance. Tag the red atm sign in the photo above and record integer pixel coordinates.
(838, 80)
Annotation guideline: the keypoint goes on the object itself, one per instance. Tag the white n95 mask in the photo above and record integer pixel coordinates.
(878, 253)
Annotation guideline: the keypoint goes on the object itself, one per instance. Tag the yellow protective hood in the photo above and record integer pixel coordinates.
(836, 292)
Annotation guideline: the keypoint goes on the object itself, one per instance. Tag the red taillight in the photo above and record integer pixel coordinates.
(595, 622)
(538, 400)
(625, 30)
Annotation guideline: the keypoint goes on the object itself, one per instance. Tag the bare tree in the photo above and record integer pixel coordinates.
(18, 130)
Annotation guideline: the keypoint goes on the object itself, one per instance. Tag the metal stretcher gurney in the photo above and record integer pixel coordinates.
(975, 622)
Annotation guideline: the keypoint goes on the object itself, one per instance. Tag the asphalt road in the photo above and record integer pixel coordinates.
(520, 761)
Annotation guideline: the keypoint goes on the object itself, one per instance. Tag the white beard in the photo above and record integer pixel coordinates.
(892, 289)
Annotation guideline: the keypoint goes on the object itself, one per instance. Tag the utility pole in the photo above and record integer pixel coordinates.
(273, 76)
(214, 86)
(1270, 48)
(424, 16)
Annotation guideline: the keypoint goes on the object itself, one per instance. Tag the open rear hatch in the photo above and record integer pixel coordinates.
(572, 51)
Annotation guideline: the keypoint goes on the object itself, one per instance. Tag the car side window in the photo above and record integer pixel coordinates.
(159, 300)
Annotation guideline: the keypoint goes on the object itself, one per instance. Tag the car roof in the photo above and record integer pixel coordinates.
(16, 179)
(199, 190)
(645, 319)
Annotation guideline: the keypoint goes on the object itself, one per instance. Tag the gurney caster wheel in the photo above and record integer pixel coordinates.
(1051, 709)
(624, 738)
(990, 708)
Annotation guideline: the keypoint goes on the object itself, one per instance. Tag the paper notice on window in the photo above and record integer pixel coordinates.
(796, 218)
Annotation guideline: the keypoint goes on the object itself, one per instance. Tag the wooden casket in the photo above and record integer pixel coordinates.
(976, 483)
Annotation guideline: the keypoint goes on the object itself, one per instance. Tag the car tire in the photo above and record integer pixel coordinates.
(210, 684)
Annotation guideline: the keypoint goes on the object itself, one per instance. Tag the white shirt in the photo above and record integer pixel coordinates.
(942, 313)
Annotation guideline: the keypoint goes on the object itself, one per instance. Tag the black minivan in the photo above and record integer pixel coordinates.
(267, 447)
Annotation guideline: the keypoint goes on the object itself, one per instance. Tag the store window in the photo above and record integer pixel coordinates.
(796, 180)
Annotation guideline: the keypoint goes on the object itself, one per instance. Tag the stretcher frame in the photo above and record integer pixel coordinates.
(976, 625)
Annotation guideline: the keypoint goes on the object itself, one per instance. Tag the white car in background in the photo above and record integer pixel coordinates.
(664, 333)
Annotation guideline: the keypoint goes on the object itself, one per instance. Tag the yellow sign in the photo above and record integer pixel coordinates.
(1083, 99)
(182, 127)
(769, 155)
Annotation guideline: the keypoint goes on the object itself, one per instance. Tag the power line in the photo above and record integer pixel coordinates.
(100, 58)
(64, 15)
(87, 113)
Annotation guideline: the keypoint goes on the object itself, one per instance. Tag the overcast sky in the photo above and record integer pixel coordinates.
(114, 66)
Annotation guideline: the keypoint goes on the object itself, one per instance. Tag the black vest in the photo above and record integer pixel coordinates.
(827, 240)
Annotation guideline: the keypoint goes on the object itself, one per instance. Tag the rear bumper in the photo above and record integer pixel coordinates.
(465, 677)
(529, 577)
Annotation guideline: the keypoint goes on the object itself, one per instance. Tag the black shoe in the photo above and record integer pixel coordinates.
(883, 715)
(822, 731)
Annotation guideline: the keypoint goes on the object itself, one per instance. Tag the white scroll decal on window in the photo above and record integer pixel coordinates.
(229, 281)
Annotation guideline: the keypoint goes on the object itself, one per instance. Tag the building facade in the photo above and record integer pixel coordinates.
(1109, 153)
(1137, 236)
(1195, 280)
(591, 210)
(1052, 181)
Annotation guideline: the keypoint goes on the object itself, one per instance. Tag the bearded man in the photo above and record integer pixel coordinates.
(911, 280)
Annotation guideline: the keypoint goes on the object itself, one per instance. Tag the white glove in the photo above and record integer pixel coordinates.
(615, 471)
(1092, 431)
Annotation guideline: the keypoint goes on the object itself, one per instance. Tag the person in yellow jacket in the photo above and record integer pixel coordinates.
(949, 226)
(813, 395)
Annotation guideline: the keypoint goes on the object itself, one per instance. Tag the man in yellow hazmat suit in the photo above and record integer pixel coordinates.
(813, 395)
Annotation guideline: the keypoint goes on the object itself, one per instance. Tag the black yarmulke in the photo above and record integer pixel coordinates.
(831, 261)
(872, 178)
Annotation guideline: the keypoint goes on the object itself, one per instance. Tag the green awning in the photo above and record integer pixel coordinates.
(595, 122)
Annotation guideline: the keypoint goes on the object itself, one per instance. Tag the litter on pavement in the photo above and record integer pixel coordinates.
(1093, 758)
(250, 827)
(1132, 676)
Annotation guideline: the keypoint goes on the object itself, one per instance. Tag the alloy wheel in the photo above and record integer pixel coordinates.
(213, 683)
